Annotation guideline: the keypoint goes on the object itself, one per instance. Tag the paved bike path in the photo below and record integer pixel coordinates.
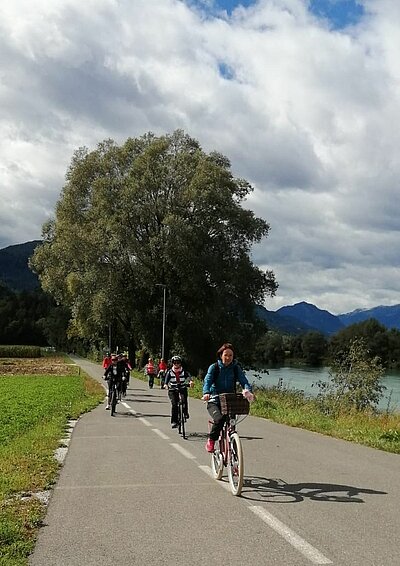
(132, 491)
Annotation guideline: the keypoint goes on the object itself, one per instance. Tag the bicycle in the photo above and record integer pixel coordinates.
(229, 452)
(114, 397)
(181, 412)
(124, 387)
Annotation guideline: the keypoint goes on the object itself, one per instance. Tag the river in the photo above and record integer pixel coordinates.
(295, 377)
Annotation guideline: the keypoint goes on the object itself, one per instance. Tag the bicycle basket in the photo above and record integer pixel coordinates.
(234, 404)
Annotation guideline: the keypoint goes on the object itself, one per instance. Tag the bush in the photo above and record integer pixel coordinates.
(355, 382)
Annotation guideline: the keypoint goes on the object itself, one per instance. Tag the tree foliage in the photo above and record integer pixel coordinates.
(22, 314)
(155, 211)
(356, 380)
(375, 337)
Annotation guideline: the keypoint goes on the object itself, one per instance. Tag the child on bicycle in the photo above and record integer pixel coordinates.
(176, 378)
(222, 377)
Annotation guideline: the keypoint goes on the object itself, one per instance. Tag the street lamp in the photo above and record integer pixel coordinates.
(106, 261)
(163, 321)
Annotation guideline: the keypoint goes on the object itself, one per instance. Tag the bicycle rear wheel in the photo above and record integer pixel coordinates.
(217, 461)
(236, 464)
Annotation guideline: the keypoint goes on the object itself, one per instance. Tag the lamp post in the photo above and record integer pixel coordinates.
(163, 319)
(106, 261)
(109, 337)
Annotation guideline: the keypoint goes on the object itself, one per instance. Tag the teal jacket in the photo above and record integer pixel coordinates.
(225, 381)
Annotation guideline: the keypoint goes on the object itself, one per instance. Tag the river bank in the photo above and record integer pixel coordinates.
(304, 378)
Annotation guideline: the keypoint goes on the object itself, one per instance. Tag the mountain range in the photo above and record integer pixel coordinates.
(304, 317)
(295, 319)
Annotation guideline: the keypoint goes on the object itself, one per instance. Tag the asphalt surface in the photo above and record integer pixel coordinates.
(131, 491)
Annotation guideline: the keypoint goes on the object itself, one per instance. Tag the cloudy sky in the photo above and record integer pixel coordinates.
(303, 96)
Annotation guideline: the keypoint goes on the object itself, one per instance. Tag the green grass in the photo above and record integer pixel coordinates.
(34, 414)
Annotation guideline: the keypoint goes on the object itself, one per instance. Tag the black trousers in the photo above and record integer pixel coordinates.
(214, 410)
(173, 395)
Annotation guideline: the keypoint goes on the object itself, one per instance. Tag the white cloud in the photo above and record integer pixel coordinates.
(309, 115)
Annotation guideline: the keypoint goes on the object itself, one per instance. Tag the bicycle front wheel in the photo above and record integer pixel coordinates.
(181, 420)
(236, 464)
(113, 402)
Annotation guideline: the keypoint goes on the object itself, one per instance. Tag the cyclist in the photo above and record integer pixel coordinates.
(162, 368)
(221, 377)
(150, 371)
(126, 371)
(177, 377)
(113, 374)
(106, 362)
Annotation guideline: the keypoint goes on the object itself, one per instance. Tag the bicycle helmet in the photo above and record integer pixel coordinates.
(176, 360)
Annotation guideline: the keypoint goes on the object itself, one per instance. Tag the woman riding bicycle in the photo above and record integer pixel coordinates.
(221, 377)
(177, 378)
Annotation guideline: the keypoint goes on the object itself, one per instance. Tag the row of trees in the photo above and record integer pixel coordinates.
(23, 317)
(315, 348)
(156, 211)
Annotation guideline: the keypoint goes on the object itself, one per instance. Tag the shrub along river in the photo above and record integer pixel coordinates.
(303, 378)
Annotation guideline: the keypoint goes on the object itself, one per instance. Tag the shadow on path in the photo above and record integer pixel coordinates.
(278, 491)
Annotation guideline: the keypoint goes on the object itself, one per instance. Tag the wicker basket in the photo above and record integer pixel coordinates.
(234, 404)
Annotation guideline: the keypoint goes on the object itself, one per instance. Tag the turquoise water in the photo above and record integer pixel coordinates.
(303, 378)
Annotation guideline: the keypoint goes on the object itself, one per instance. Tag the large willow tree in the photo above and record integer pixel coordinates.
(155, 211)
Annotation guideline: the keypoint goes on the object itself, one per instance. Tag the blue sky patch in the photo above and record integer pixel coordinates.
(341, 13)
(226, 71)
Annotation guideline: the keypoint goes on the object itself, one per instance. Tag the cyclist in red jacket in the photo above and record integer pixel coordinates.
(106, 362)
(150, 371)
(162, 368)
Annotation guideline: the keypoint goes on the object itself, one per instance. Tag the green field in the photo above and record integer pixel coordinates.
(35, 410)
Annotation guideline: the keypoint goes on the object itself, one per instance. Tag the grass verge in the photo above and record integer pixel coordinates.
(35, 412)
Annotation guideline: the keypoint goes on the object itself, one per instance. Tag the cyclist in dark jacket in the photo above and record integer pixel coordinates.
(221, 379)
(176, 378)
(113, 374)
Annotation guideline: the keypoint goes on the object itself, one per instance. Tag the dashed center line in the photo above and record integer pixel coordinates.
(183, 451)
(284, 531)
(160, 433)
(290, 536)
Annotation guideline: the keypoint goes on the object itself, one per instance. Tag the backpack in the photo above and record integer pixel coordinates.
(216, 370)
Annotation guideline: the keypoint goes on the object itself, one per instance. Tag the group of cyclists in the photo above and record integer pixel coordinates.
(117, 369)
(221, 377)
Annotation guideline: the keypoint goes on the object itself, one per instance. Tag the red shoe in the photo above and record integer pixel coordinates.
(210, 445)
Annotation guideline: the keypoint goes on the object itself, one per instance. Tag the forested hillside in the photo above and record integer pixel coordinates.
(14, 270)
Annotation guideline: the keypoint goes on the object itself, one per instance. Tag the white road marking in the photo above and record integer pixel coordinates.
(133, 412)
(294, 539)
(207, 470)
(183, 451)
(161, 434)
(125, 404)
(144, 421)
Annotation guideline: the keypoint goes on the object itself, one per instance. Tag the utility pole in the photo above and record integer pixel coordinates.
(163, 319)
